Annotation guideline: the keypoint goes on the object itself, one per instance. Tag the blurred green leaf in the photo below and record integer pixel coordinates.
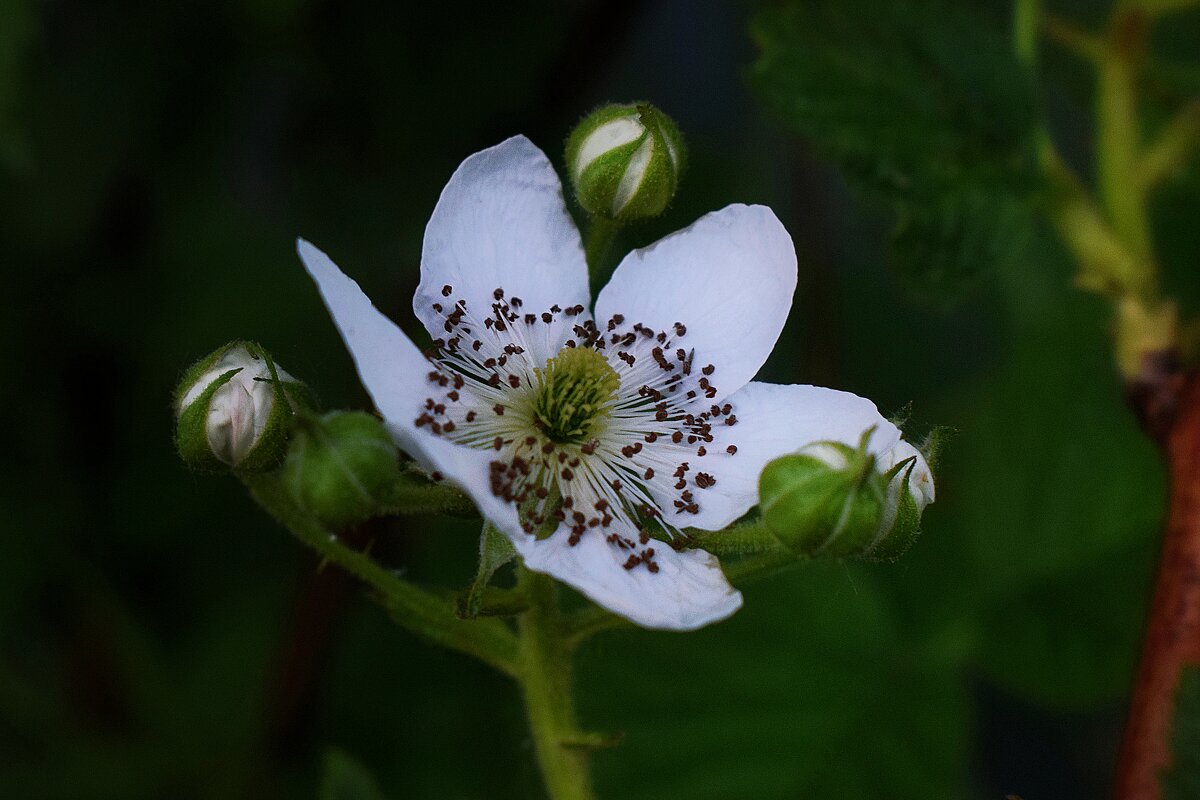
(810, 691)
(1071, 640)
(17, 35)
(924, 108)
(1058, 470)
(1057, 512)
(1182, 780)
(346, 779)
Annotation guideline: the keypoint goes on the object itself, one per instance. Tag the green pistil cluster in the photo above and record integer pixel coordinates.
(573, 395)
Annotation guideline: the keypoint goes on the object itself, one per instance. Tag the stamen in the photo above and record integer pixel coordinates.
(589, 437)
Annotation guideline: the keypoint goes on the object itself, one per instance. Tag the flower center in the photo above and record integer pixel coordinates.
(574, 393)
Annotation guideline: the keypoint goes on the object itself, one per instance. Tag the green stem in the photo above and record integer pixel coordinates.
(749, 538)
(545, 678)
(407, 498)
(599, 240)
(1026, 19)
(1118, 138)
(1179, 139)
(430, 616)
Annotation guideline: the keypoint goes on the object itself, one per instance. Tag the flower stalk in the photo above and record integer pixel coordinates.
(421, 612)
(546, 682)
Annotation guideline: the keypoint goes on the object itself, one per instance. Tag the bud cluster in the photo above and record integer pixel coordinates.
(237, 410)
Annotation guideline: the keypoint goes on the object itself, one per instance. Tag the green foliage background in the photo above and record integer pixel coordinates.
(159, 637)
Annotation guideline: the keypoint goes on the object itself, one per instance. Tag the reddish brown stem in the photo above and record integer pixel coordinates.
(1170, 407)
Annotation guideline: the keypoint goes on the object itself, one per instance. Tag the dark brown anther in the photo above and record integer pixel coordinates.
(446, 290)
(499, 409)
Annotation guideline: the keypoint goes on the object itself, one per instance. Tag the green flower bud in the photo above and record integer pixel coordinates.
(341, 467)
(625, 161)
(909, 490)
(830, 499)
(233, 410)
(826, 499)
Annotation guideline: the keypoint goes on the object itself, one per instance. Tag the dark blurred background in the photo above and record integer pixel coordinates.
(160, 637)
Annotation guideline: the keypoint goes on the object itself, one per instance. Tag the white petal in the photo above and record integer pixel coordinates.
(502, 223)
(774, 420)
(729, 278)
(688, 592)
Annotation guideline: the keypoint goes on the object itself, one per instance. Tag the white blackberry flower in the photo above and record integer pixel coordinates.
(592, 436)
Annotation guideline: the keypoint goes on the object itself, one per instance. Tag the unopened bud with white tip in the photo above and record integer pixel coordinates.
(909, 489)
(625, 161)
(233, 410)
(830, 499)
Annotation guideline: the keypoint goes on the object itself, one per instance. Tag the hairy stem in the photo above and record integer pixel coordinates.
(425, 614)
(546, 681)
(598, 242)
